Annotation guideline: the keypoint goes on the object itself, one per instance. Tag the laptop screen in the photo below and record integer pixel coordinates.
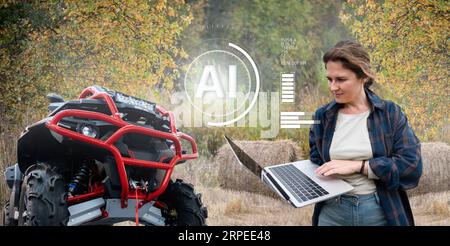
(245, 159)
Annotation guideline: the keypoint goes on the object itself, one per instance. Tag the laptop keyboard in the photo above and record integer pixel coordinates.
(300, 185)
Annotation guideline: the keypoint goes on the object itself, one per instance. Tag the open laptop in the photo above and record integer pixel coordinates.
(296, 181)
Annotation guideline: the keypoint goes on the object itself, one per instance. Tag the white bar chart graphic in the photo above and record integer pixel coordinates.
(292, 120)
(287, 88)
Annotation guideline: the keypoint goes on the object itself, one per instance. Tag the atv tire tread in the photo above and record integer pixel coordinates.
(5, 216)
(45, 197)
(188, 205)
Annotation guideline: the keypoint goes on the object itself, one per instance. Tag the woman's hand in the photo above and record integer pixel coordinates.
(339, 167)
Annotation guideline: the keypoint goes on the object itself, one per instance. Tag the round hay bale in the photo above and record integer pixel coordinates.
(232, 175)
(436, 169)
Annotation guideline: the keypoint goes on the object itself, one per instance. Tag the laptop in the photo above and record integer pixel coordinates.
(296, 182)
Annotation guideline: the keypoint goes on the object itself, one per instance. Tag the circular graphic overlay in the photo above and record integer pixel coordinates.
(223, 74)
(217, 75)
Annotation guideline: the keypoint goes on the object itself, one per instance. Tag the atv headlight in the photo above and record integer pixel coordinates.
(88, 130)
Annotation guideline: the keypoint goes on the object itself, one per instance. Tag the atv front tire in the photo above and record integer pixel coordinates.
(6, 221)
(45, 197)
(185, 208)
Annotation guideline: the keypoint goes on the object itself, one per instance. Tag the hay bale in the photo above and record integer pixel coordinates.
(232, 175)
(431, 209)
(436, 169)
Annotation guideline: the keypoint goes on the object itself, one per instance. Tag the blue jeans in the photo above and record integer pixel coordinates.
(353, 210)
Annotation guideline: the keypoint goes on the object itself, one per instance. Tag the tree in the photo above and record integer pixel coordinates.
(261, 27)
(64, 46)
(408, 42)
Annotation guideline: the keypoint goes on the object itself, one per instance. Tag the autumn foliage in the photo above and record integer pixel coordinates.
(64, 46)
(408, 42)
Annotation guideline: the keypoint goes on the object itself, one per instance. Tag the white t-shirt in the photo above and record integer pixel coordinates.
(351, 142)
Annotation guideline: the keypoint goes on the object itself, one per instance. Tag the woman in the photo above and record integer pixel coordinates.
(365, 141)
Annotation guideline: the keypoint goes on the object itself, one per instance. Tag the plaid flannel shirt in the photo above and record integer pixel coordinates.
(396, 151)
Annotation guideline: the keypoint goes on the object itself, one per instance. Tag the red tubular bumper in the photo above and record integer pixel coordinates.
(108, 144)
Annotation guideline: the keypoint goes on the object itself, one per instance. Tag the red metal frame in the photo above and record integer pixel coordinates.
(108, 144)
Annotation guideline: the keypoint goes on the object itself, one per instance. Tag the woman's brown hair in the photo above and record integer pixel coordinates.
(354, 57)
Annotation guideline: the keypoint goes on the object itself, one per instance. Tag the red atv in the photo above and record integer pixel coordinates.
(104, 158)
